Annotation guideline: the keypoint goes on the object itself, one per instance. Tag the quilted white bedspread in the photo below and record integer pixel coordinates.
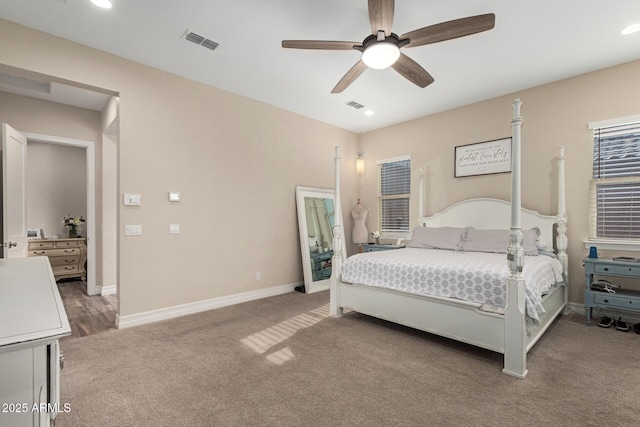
(471, 276)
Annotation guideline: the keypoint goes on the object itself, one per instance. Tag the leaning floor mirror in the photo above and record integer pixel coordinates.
(316, 219)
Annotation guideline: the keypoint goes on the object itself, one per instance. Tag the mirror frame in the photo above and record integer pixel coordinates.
(311, 286)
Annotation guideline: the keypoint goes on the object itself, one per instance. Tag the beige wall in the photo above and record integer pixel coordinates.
(554, 114)
(56, 186)
(235, 161)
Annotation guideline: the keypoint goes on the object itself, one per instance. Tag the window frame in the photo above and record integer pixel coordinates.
(608, 243)
(394, 234)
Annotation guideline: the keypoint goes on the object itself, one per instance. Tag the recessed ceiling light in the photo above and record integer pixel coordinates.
(369, 113)
(105, 4)
(633, 28)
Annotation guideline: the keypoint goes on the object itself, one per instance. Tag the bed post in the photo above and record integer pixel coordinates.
(421, 199)
(336, 262)
(515, 353)
(561, 238)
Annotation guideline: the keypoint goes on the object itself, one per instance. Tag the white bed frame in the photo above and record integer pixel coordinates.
(506, 333)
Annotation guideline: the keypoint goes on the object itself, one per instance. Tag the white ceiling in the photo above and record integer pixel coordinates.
(533, 42)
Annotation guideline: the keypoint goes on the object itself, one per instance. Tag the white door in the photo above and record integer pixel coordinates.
(14, 223)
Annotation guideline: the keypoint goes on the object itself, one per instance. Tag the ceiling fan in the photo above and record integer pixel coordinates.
(382, 48)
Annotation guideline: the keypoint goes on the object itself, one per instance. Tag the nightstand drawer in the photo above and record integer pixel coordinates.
(617, 270)
(617, 300)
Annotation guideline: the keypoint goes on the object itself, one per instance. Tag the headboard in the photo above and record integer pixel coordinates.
(485, 213)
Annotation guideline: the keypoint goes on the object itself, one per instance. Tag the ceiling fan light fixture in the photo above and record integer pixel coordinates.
(105, 4)
(381, 55)
(633, 28)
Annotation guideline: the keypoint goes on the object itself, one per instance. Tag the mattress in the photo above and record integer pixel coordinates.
(478, 277)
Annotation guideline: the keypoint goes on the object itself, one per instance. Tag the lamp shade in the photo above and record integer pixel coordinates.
(360, 162)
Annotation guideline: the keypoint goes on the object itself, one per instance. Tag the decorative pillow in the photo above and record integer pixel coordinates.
(437, 238)
(497, 241)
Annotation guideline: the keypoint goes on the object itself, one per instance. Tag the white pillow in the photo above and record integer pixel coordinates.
(437, 238)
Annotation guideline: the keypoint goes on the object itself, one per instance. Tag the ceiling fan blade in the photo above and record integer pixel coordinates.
(381, 15)
(318, 44)
(412, 71)
(450, 30)
(350, 77)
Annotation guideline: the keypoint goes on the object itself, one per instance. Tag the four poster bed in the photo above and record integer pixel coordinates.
(499, 298)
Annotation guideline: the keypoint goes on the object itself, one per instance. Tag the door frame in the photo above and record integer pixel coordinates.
(90, 155)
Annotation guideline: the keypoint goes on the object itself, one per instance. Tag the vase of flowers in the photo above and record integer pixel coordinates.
(72, 223)
(375, 235)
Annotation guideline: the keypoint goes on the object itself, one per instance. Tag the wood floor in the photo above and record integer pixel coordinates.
(87, 315)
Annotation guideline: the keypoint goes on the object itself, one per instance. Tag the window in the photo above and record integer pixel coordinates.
(394, 195)
(615, 184)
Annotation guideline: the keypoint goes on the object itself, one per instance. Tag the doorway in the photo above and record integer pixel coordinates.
(69, 109)
(90, 161)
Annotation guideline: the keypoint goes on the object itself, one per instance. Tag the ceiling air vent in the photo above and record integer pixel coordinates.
(355, 105)
(198, 39)
(209, 44)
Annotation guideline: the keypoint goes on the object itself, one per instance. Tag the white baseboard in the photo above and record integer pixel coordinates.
(627, 316)
(109, 290)
(199, 306)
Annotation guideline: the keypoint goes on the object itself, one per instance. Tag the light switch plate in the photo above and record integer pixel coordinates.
(133, 230)
(174, 196)
(132, 200)
(174, 228)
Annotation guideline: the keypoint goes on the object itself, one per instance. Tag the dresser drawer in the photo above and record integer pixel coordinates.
(64, 269)
(617, 270)
(64, 260)
(41, 245)
(55, 252)
(68, 244)
(615, 300)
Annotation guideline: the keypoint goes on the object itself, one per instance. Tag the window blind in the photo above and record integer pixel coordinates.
(395, 190)
(615, 184)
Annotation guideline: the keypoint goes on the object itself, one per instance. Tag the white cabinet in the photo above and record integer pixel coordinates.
(32, 320)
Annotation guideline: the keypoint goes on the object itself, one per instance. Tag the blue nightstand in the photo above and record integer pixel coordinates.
(623, 299)
(371, 247)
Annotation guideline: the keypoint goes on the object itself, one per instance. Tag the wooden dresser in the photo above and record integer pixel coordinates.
(67, 256)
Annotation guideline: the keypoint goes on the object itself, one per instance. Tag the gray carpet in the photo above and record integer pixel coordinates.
(281, 361)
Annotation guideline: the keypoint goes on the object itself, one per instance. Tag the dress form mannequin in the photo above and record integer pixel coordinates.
(359, 214)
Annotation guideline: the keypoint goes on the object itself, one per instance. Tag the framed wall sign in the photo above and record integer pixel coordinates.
(483, 158)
